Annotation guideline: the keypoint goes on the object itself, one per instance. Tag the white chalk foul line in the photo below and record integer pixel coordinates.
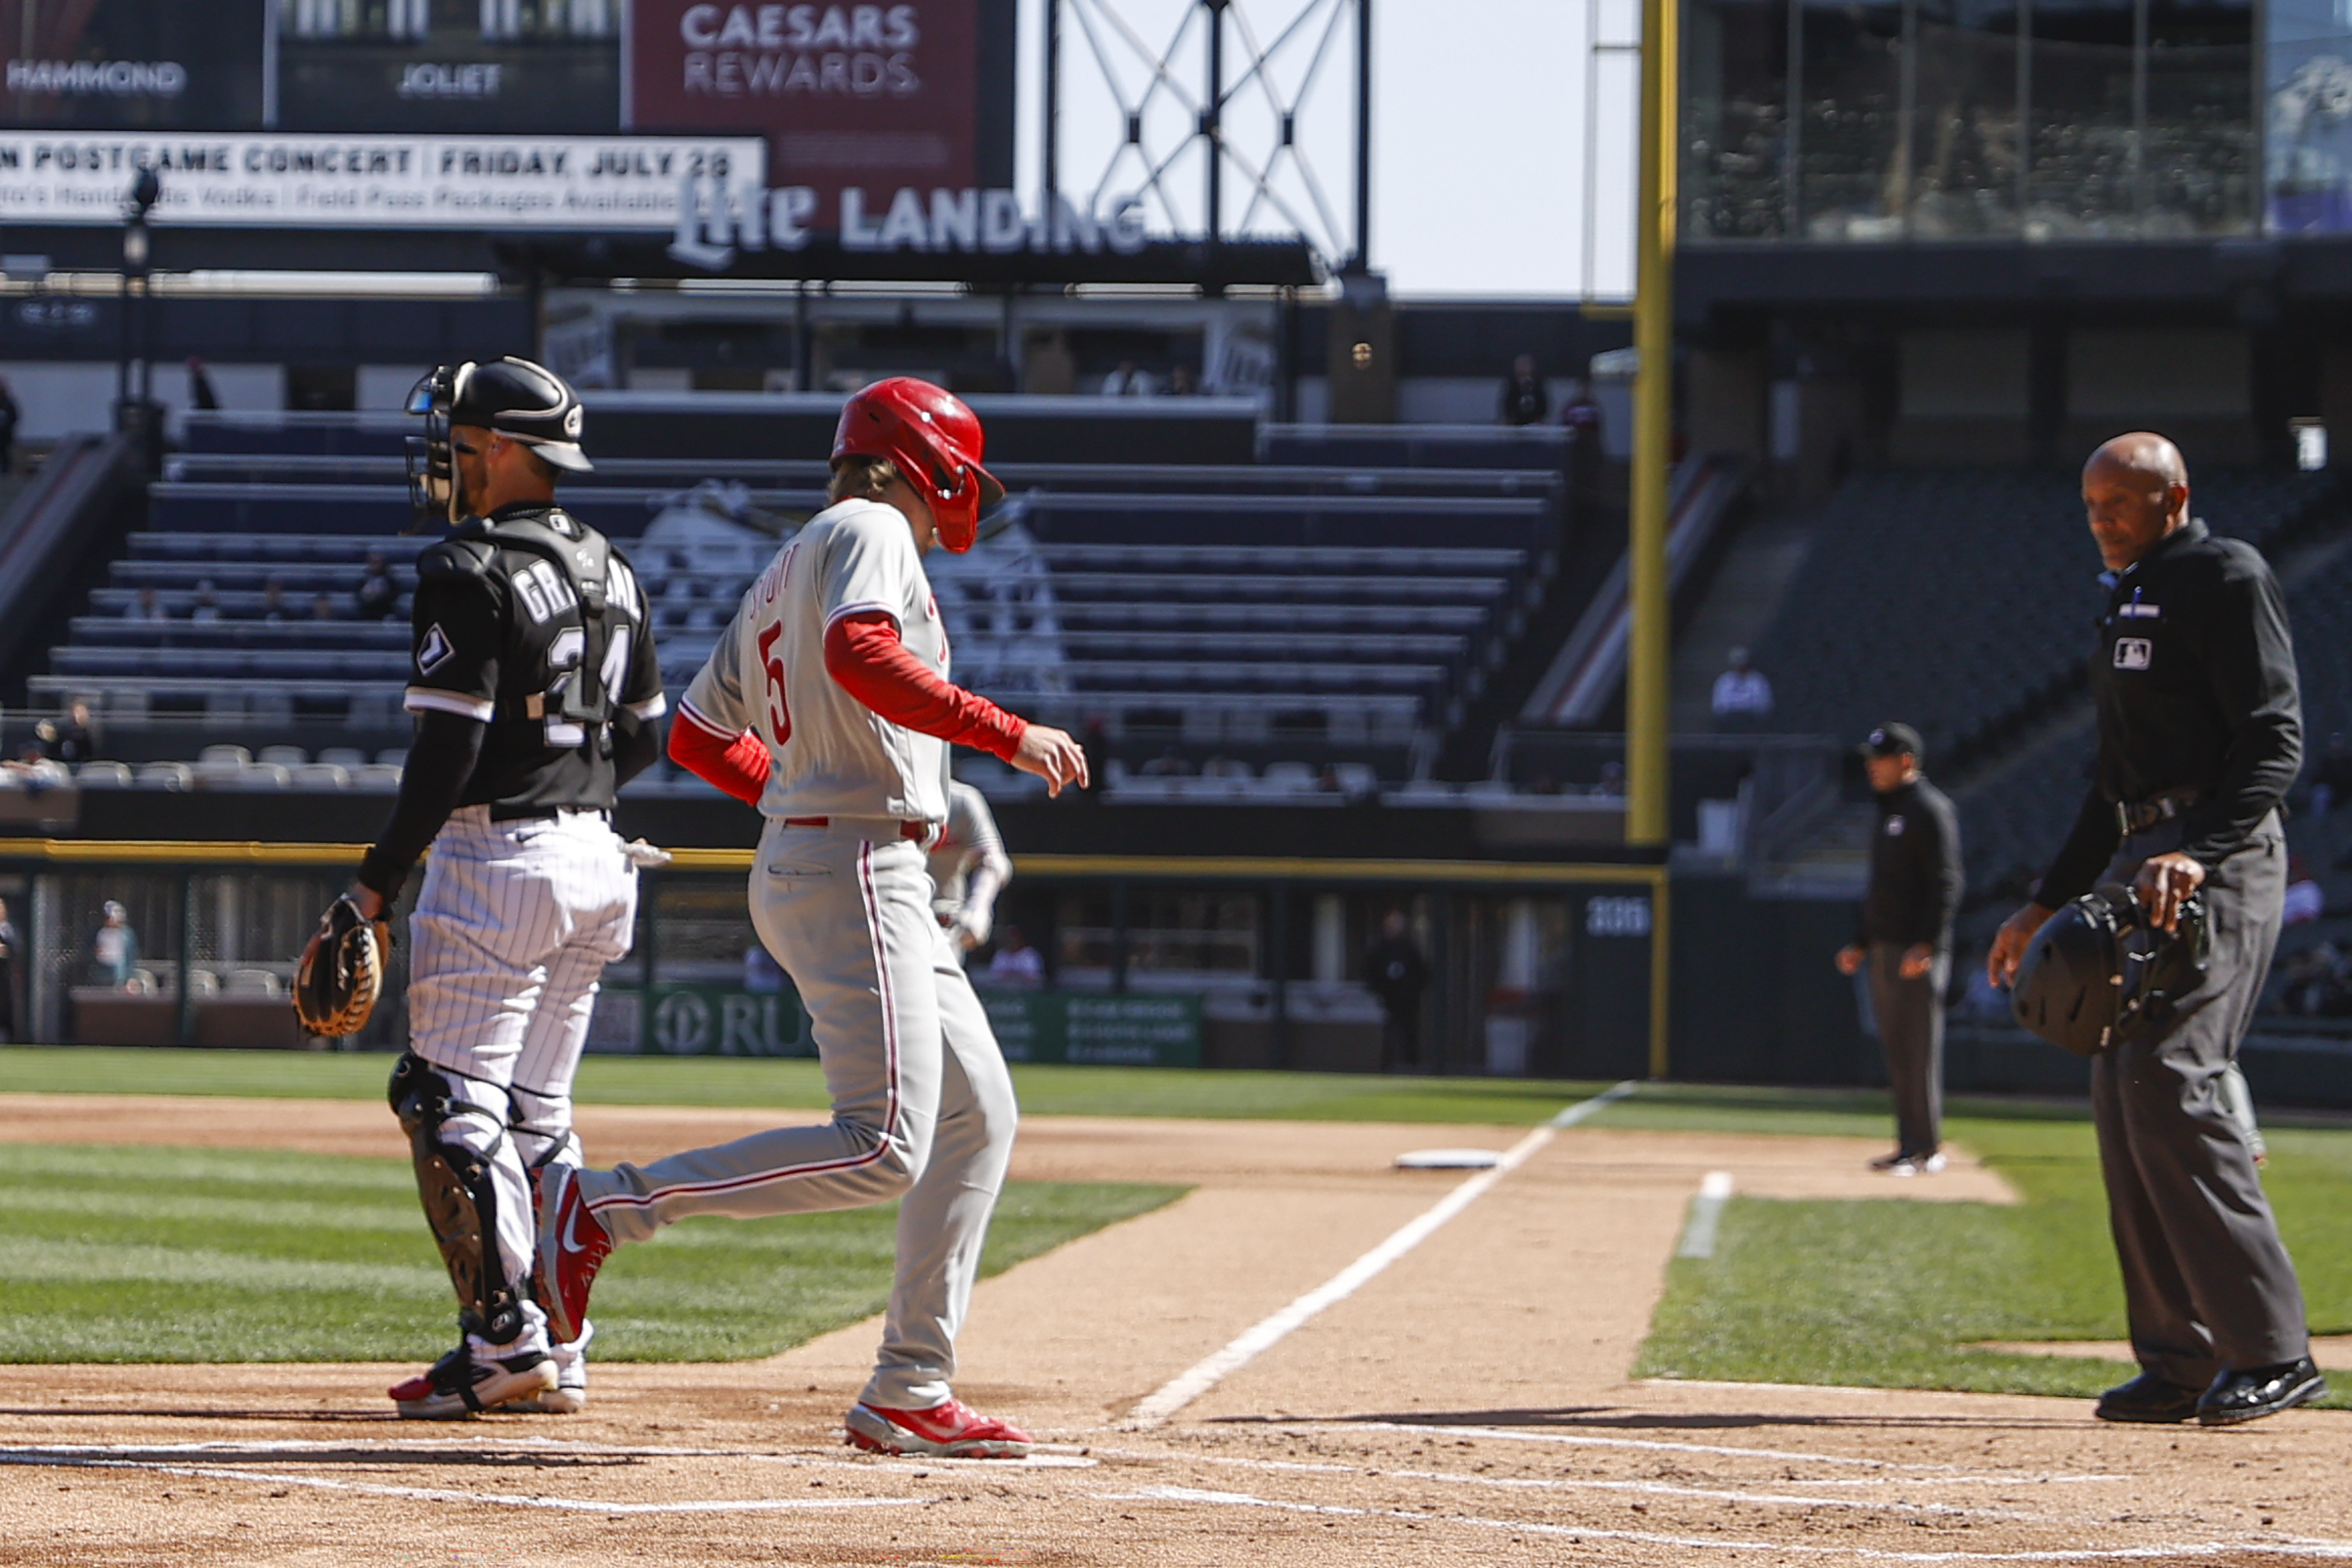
(1518, 1483)
(443, 1494)
(2158, 1552)
(1706, 1215)
(1197, 1380)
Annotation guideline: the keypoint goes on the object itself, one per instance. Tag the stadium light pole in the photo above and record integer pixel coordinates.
(1648, 653)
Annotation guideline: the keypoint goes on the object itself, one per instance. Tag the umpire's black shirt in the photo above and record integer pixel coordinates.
(1915, 869)
(2194, 680)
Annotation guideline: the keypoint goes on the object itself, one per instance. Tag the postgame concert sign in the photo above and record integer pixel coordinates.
(538, 184)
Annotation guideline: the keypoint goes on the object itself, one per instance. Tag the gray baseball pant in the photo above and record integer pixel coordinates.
(922, 1105)
(2208, 1285)
(1910, 1018)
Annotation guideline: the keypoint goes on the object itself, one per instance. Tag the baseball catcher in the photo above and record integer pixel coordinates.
(536, 690)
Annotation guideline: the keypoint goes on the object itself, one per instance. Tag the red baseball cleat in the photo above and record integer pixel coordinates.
(571, 1247)
(953, 1430)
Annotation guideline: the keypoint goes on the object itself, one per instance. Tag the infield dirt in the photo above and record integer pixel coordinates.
(1466, 1406)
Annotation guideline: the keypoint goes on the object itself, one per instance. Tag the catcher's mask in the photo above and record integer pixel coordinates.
(2098, 974)
(935, 441)
(521, 400)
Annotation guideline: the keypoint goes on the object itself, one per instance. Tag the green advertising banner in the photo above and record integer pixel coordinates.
(1031, 1025)
(1095, 1029)
(712, 1020)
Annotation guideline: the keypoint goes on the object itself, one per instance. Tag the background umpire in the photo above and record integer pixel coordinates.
(1905, 935)
(2201, 732)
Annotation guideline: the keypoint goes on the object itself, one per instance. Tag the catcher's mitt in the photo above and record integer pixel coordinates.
(342, 970)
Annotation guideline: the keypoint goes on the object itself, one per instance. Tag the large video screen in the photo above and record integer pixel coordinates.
(133, 65)
(526, 67)
(2308, 145)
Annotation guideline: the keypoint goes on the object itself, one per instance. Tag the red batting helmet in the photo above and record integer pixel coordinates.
(934, 440)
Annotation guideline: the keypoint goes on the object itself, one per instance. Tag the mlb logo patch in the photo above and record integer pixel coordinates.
(2134, 652)
(1894, 827)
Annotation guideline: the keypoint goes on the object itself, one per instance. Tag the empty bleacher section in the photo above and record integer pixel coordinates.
(1309, 615)
(1957, 599)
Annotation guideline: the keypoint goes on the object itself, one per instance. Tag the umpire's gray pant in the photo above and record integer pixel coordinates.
(2207, 1282)
(1910, 1016)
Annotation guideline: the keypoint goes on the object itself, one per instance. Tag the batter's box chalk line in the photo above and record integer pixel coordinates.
(1186, 1386)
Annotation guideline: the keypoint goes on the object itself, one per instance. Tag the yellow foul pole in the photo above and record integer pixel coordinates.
(1648, 653)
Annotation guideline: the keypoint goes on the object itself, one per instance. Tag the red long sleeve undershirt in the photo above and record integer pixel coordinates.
(740, 766)
(865, 658)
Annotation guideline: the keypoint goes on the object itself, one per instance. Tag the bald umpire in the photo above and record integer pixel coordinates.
(2199, 733)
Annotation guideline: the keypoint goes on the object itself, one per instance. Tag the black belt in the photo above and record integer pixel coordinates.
(516, 812)
(2139, 816)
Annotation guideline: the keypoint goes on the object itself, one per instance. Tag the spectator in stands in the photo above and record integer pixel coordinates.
(113, 949)
(72, 737)
(207, 605)
(34, 771)
(146, 608)
(201, 395)
(7, 977)
(1127, 381)
(1611, 785)
(9, 414)
(377, 595)
(1395, 971)
(1224, 767)
(1327, 782)
(273, 601)
(1017, 965)
(322, 608)
(1169, 764)
(1743, 697)
(1525, 400)
(2305, 900)
(1181, 383)
(1581, 416)
(763, 976)
(2318, 984)
(2331, 779)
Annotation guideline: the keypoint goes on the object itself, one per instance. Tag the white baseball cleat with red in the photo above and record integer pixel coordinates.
(952, 1430)
(464, 1383)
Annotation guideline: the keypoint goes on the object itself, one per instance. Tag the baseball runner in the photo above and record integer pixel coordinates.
(969, 868)
(826, 703)
(535, 687)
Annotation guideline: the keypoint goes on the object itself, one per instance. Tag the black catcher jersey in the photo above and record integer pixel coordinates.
(531, 623)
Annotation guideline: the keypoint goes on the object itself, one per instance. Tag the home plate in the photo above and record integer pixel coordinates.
(1449, 1160)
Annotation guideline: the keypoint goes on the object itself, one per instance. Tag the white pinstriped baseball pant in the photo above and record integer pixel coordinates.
(922, 1105)
(514, 926)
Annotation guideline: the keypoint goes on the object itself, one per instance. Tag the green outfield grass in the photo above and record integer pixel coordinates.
(160, 1254)
(796, 1084)
(1890, 1294)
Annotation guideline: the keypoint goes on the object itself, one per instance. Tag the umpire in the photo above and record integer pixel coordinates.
(2201, 732)
(1904, 936)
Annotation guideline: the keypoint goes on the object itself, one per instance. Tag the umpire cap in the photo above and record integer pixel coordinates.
(2098, 974)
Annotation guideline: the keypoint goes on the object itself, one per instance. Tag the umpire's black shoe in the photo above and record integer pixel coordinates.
(2259, 1390)
(2150, 1399)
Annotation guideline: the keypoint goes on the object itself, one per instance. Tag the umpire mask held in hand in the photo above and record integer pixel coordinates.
(2098, 974)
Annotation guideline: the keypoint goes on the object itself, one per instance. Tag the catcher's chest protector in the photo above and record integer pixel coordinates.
(576, 612)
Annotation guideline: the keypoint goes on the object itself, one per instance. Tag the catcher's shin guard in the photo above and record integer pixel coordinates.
(461, 1204)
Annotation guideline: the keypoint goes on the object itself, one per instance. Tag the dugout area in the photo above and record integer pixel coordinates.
(1546, 1376)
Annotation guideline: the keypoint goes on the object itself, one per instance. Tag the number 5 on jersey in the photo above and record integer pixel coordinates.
(780, 713)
